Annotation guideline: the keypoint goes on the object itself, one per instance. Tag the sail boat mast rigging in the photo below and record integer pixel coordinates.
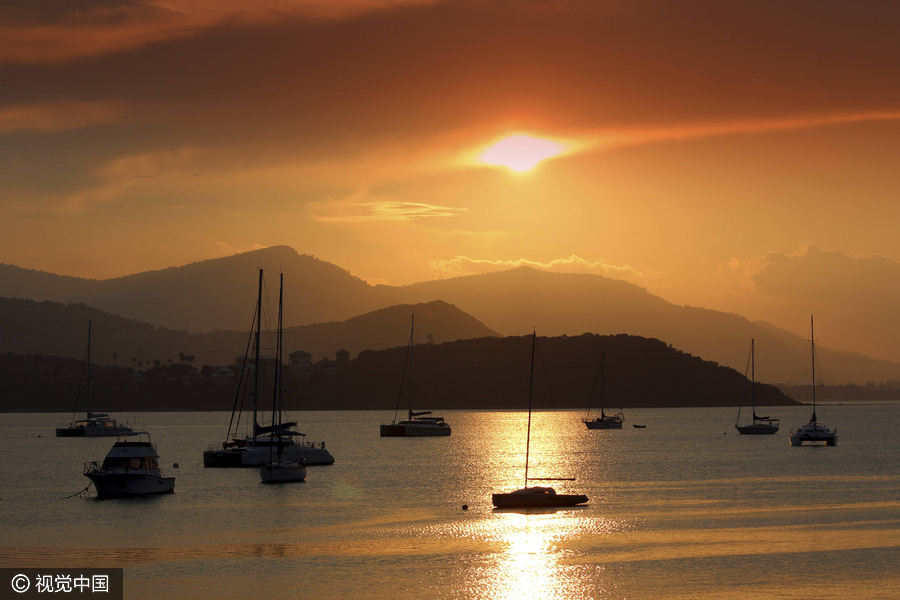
(604, 421)
(813, 431)
(760, 425)
(538, 496)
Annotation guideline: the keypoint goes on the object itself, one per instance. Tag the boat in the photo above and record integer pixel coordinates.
(604, 421)
(760, 425)
(279, 470)
(417, 424)
(537, 496)
(636, 426)
(254, 450)
(131, 468)
(96, 424)
(813, 432)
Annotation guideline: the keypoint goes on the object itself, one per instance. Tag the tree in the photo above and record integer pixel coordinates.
(429, 339)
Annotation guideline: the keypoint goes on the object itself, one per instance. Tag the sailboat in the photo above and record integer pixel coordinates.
(278, 469)
(96, 424)
(760, 425)
(417, 424)
(538, 496)
(255, 450)
(604, 421)
(813, 432)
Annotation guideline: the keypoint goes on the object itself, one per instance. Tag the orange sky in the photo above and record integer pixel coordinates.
(740, 156)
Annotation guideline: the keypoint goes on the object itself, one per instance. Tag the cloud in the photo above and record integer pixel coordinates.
(463, 265)
(354, 211)
(58, 116)
(39, 32)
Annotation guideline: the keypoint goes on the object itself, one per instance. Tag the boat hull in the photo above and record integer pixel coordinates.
(92, 431)
(607, 424)
(400, 430)
(514, 500)
(756, 429)
(282, 473)
(123, 485)
(814, 436)
(258, 457)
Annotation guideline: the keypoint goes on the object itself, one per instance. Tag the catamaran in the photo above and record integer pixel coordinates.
(813, 432)
(255, 450)
(417, 424)
(96, 424)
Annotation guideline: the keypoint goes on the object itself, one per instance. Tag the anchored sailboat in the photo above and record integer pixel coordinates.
(96, 424)
(538, 496)
(813, 432)
(417, 424)
(604, 421)
(254, 450)
(279, 469)
(760, 425)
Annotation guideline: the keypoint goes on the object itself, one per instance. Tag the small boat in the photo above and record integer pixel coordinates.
(813, 432)
(636, 426)
(537, 496)
(131, 468)
(417, 424)
(255, 450)
(760, 425)
(603, 421)
(96, 424)
(279, 470)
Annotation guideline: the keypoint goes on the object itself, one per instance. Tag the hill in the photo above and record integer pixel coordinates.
(214, 295)
(483, 373)
(51, 328)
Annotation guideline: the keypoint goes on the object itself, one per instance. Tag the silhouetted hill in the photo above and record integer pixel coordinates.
(483, 373)
(51, 328)
(215, 295)
(207, 295)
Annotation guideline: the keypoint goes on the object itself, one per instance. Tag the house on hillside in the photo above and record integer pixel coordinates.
(301, 364)
(193, 377)
(164, 377)
(222, 376)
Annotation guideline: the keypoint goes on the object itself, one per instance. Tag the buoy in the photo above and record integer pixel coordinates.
(465, 507)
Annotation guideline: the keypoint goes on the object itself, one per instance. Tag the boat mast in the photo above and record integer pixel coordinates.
(256, 354)
(753, 378)
(412, 332)
(812, 339)
(87, 385)
(602, 383)
(530, 394)
(278, 398)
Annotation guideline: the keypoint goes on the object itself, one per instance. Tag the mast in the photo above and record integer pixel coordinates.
(812, 339)
(602, 382)
(278, 397)
(753, 377)
(87, 386)
(412, 332)
(530, 394)
(256, 354)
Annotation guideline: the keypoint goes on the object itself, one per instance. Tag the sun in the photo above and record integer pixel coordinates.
(520, 152)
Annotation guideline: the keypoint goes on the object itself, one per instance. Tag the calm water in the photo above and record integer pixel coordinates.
(678, 510)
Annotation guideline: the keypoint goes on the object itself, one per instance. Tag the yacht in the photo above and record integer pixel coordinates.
(279, 470)
(417, 424)
(603, 421)
(96, 424)
(813, 432)
(759, 425)
(131, 468)
(536, 496)
(256, 450)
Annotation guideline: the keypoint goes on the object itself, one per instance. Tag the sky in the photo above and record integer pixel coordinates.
(739, 156)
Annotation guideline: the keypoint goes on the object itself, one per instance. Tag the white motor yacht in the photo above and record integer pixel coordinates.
(131, 468)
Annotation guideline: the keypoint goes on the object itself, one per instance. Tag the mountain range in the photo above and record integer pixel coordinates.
(215, 295)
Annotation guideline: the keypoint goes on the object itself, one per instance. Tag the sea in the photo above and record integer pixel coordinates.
(682, 508)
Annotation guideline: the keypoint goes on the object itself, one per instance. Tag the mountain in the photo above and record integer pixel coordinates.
(207, 295)
(215, 294)
(51, 328)
(482, 373)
